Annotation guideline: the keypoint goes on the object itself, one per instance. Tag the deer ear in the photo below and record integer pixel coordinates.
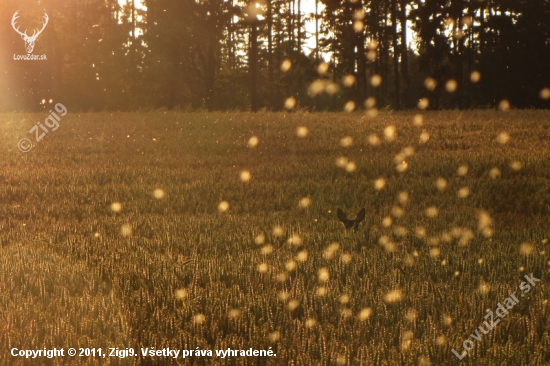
(360, 216)
(341, 216)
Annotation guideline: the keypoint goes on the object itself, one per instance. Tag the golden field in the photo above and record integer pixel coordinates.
(221, 240)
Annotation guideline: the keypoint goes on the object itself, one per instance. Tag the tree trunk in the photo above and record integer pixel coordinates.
(405, 54)
(316, 30)
(253, 65)
(397, 81)
(299, 25)
(269, 42)
(291, 25)
(361, 63)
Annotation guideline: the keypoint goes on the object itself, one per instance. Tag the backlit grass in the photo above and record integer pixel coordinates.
(219, 230)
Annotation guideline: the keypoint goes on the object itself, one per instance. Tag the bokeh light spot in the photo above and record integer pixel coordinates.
(322, 68)
(348, 80)
(451, 86)
(116, 207)
(376, 80)
(423, 103)
(253, 141)
(504, 105)
(158, 193)
(430, 83)
(290, 103)
(349, 106)
(223, 206)
(245, 176)
(302, 131)
(286, 65)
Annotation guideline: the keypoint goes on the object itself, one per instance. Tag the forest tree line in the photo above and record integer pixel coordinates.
(229, 54)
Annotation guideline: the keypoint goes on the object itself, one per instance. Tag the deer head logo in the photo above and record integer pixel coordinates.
(29, 40)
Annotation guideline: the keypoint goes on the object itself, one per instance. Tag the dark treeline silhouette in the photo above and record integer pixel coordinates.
(228, 54)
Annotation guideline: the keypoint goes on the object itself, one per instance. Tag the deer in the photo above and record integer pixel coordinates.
(348, 224)
(29, 40)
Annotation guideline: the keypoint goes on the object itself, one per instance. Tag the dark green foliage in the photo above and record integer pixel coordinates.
(214, 54)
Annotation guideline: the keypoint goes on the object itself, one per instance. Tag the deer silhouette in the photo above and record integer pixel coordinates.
(348, 223)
